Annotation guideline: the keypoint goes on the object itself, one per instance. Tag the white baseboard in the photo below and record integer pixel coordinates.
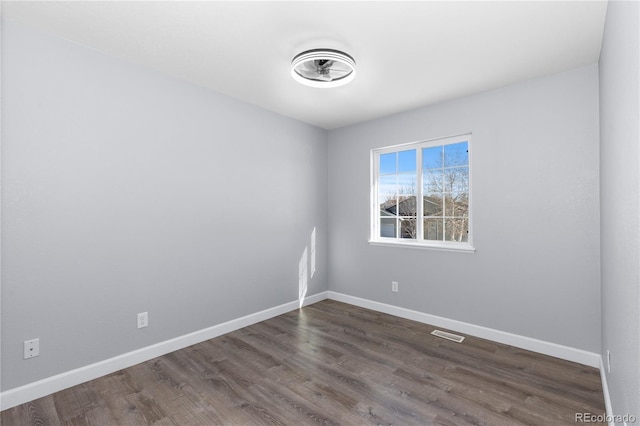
(31, 391)
(605, 391)
(559, 351)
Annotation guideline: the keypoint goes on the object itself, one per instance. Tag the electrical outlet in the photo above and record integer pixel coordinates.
(31, 348)
(394, 286)
(143, 319)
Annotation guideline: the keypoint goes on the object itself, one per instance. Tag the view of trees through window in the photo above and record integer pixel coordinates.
(437, 174)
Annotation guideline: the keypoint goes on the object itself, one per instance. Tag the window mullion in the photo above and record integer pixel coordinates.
(444, 200)
(397, 217)
(397, 201)
(419, 196)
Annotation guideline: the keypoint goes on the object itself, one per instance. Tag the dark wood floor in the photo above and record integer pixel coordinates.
(330, 363)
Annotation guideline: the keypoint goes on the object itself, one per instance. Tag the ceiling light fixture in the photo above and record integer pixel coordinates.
(323, 68)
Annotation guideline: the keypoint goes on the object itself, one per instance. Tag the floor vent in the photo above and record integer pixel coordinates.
(448, 336)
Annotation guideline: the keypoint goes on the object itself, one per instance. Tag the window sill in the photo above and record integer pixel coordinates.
(465, 248)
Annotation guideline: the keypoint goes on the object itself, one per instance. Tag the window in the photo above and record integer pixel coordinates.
(436, 172)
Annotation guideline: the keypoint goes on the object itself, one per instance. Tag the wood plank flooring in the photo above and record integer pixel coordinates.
(335, 364)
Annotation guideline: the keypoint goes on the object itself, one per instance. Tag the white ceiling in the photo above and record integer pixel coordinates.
(408, 54)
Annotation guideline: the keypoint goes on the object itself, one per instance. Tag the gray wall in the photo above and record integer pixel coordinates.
(126, 191)
(535, 213)
(620, 203)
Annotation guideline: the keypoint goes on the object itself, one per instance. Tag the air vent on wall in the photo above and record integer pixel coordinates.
(448, 336)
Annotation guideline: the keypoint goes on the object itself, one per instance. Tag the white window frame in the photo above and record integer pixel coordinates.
(419, 242)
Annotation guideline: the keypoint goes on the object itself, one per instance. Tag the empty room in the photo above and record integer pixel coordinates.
(320, 212)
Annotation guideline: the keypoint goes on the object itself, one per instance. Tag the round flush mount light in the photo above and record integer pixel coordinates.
(323, 68)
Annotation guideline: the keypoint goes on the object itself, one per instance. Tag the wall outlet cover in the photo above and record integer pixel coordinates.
(143, 319)
(31, 348)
